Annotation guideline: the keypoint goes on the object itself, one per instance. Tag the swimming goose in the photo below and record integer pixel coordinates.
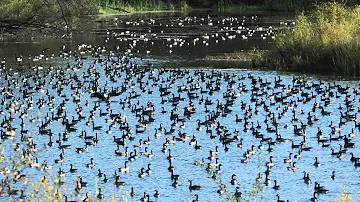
(193, 187)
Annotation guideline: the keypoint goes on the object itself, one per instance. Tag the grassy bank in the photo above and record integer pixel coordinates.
(234, 6)
(326, 41)
(141, 6)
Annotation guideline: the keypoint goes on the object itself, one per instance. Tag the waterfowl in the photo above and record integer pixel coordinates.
(333, 176)
(278, 198)
(317, 163)
(196, 198)
(293, 167)
(142, 173)
(157, 194)
(276, 186)
(91, 164)
(193, 187)
(233, 180)
(72, 170)
(119, 183)
(100, 195)
(288, 160)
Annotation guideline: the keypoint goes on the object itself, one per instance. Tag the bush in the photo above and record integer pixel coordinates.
(327, 40)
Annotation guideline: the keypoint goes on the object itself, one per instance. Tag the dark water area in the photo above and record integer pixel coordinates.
(119, 103)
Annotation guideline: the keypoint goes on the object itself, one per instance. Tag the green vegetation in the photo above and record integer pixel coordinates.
(327, 41)
(24, 15)
(120, 6)
(272, 5)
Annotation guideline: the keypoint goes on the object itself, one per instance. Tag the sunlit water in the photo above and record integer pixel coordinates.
(59, 86)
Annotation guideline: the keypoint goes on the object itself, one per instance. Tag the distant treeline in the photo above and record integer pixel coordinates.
(279, 5)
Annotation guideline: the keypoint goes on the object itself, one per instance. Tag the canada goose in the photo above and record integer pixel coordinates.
(132, 193)
(293, 167)
(175, 183)
(317, 163)
(314, 198)
(142, 173)
(278, 198)
(333, 176)
(95, 127)
(196, 198)
(306, 178)
(320, 189)
(72, 170)
(91, 164)
(100, 174)
(288, 160)
(233, 180)
(193, 187)
(237, 193)
(270, 163)
(100, 195)
(157, 194)
(117, 182)
(148, 170)
(174, 177)
(276, 186)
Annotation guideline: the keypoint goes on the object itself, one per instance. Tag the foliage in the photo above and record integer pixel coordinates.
(59, 15)
(326, 41)
(274, 5)
(115, 6)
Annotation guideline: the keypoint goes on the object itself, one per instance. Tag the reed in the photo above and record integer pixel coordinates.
(326, 41)
(110, 7)
(273, 5)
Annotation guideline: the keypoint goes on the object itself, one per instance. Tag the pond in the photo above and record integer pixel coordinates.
(113, 108)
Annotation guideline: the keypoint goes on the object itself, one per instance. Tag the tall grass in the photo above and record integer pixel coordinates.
(141, 6)
(273, 5)
(326, 40)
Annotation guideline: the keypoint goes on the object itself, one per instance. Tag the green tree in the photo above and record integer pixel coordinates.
(56, 15)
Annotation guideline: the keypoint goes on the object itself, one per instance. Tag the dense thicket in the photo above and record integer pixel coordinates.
(326, 40)
(60, 15)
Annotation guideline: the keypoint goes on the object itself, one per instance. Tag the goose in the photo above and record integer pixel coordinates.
(276, 186)
(306, 178)
(233, 180)
(100, 174)
(117, 182)
(193, 187)
(333, 176)
(314, 198)
(95, 127)
(174, 177)
(270, 163)
(157, 194)
(317, 163)
(196, 198)
(288, 160)
(293, 167)
(237, 193)
(278, 198)
(132, 193)
(148, 170)
(91, 164)
(142, 173)
(175, 183)
(100, 195)
(72, 170)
